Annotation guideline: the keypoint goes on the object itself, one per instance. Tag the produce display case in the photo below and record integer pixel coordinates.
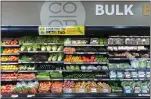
(106, 62)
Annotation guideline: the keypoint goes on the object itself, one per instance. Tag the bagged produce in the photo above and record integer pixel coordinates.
(137, 87)
(127, 86)
(145, 87)
(120, 75)
(112, 74)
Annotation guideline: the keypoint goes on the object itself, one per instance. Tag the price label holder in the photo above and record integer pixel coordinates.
(29, 96)
(68, 90)
(67, 63)
(75, 79)
(14, 96)
(94, 62)
(49, 71)
(60, 71)
(82, 90)
(95, 79)
(141, 79)
(105, 90)
(79, 52)
(111, 79)
(135, 79)
(91, 53)
(93, 90)
(145, 95)
(86, 70)
(45, 44)
(116, 58)
(68, 30)
(69, 53)
(126, 79)
(79, 63)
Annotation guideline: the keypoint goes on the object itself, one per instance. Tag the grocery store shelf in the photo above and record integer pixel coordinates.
(41, 51)
(27, 71)
(140, 69)
(77, 79)
(41, 62)
(50, 79)
(127, 58)
(85, 71)
(84, 45)
(79, 96)
(10, 45)
(85, 53)
(72, 75)
(85, 63)
(132, 69)
(128, 45)
(90, 79)
(18, 80)
(10, 54)
(130, 36)
(5, 63)
(128, 50)
(43, 44)
(3, 71)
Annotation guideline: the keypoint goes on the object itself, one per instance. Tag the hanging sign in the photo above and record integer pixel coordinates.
(146, 9)
(69, 30)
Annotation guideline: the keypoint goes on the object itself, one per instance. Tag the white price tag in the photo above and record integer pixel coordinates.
(93, 90)
(30, 95)
(128, 91)
(68, 90)
(141, 79)
(45, 44)
(81, 90)
(146, 95)
(141, 74)
(105, 90)
(14, 96)
(60, 71)
(93, 62)
(91, 53)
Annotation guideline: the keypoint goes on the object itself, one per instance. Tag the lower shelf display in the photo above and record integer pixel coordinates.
(60, 87)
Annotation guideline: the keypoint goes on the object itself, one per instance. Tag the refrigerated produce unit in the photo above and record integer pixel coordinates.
(105, 62)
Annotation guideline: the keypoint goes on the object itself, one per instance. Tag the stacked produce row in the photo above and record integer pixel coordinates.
(75, 65)
(46, 87)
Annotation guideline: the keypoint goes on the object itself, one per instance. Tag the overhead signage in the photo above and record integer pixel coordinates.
(114, 9)
(146, 9)
(69, 30)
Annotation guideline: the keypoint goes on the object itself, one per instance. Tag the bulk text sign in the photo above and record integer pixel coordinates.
(114, 9)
